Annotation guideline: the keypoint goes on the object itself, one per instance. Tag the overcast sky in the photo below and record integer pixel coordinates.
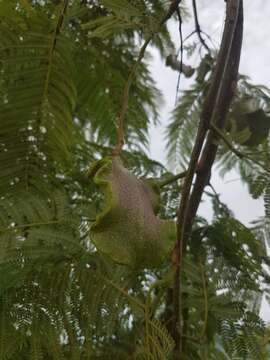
(255, 62)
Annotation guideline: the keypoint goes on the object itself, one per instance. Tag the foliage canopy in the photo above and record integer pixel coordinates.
(63, 293)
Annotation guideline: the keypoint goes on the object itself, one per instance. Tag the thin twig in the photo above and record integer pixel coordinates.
(197, 26)
(237, 152)
(181, 54)
(36, 224)
(125, 99)
(214, 191)
(220, 134)
(195, 32)
(125, 293)
(123, 111)
(204, 284)
(189, 36)
(172, 179)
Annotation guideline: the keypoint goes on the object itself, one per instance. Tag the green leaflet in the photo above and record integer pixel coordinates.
(127, 229)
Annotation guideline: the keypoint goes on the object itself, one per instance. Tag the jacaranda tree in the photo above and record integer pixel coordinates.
(102, 253)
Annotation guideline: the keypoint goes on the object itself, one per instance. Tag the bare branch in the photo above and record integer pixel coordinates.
(226, 93)
(215, 109)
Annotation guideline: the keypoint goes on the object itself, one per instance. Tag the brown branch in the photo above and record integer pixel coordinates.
(216, 107)
(226, 94)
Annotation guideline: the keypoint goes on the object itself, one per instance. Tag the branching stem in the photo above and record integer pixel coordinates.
(124, 107)
(197, 26)
(132, 73)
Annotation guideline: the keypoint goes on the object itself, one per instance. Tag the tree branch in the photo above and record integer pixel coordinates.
(225, 96)
(215, 109)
